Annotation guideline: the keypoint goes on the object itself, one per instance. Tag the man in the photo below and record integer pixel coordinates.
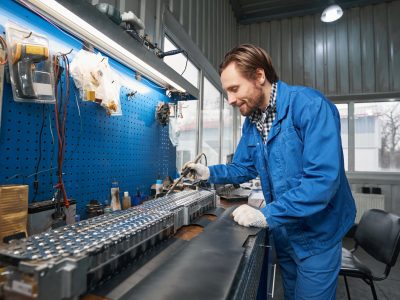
(291, 140)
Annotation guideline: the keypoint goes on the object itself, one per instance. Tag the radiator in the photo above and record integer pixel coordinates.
(365, 202)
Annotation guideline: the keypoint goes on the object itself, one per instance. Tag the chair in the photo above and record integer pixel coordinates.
(378, 233)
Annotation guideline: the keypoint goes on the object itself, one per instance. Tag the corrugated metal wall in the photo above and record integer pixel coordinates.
(211, 25)
(358, 54)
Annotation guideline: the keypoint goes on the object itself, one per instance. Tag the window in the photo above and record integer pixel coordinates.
(187, 127)
(344, 124)
(211, 122)
(227, 141)
(178, 63)
(377, 136)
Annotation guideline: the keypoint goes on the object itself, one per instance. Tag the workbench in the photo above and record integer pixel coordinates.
(214, 258)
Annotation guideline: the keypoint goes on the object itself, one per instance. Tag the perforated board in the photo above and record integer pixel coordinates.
(132, 149)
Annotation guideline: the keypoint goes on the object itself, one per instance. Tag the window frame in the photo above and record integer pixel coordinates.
(363, 176)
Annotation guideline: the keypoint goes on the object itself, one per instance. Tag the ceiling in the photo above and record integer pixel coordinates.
(253, 11)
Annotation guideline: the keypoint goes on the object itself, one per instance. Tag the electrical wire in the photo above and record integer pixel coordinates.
(53, 148)
(36, 182)
(53, 145)
(61, 64)
(205, 157)
(15, 176)
(43, 171)
(80, 129)
(187, 58)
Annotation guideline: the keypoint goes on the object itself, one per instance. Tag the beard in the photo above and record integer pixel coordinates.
(252, 104)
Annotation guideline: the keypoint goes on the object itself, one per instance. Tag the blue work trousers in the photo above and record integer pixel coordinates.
(311, 278)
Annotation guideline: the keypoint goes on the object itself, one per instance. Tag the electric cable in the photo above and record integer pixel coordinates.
(80, 129)
(187, 58)
(205, 157)
(43, 171)
(36, 182)
(53, 148)
(53, 145)
(60, 107)
(15, 176)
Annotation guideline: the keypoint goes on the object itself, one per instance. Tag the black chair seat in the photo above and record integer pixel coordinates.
(378, 234)
(352, 266)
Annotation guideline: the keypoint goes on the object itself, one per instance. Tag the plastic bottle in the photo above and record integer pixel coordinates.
(115, 203)
(126, 201)
(159, 186)
(137, 198)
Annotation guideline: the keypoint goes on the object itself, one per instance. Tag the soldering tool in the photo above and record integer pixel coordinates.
(25, 56)
(185, 172)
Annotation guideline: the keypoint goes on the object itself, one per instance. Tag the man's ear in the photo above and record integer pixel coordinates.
(260, 76)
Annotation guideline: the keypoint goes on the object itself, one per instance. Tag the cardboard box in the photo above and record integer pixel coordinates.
(13, 210)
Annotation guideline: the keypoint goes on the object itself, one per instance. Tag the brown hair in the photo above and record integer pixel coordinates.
(248, 59)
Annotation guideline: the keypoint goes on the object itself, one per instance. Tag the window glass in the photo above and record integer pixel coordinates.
(227, 142)
(377, 136)
(211, 122)
(178, 63)
(344, 124)
(242, 119)
(187, 127)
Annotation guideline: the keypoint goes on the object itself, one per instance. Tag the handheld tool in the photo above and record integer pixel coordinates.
(184, 174)
(25, 56)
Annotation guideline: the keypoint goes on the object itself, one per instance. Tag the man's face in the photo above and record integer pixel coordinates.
(243, 93)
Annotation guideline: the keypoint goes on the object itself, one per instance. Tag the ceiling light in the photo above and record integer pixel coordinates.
(331, 13)
(68, 20)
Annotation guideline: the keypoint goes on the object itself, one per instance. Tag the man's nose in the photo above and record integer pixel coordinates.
(231, 99)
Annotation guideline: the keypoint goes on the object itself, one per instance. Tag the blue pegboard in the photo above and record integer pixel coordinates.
(132, 149)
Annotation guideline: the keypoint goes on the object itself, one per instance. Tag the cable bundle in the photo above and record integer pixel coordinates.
(62, 93)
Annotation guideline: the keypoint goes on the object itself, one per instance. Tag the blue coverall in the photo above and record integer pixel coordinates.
(309, 202)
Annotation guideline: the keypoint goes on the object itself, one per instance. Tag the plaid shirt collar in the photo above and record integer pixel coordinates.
(264, 119)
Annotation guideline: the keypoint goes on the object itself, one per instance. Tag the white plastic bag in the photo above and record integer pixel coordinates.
(174, 131)
(96, 80)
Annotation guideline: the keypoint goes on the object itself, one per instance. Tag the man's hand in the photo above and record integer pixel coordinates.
(202, 172)
(247, 216)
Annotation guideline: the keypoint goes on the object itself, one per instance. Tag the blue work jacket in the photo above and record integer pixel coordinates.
(301, 170)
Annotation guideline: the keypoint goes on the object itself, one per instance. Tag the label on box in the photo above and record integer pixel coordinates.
(22, 287)
(43, 89)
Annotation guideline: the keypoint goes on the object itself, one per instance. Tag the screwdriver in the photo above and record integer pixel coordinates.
(184, 174)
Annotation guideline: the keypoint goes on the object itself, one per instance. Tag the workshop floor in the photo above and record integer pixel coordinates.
(387, 289)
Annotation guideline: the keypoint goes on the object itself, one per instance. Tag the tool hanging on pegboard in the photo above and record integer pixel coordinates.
(30, 65)
(163, 113)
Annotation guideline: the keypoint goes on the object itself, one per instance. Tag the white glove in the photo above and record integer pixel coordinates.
(247, 216)
(202, 171)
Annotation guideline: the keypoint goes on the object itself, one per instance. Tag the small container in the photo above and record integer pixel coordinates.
(126, 201)
(115, 202)
(137, 199)
(159, 186)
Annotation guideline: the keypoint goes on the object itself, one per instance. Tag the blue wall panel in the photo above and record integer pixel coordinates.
(132, 149)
